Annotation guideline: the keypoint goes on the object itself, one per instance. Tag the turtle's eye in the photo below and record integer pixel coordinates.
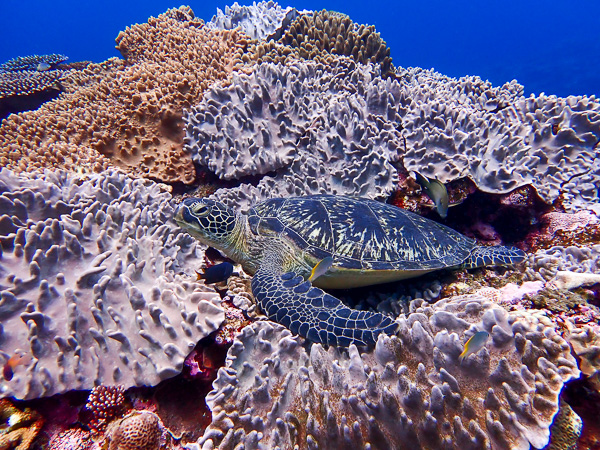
(200, 210)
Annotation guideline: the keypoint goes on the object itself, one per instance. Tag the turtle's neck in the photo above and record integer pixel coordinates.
(237, 246)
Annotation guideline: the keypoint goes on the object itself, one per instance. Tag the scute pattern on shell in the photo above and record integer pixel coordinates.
(410, 391)
(332, 225)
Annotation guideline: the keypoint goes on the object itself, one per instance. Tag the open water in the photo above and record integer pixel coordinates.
(549, 46)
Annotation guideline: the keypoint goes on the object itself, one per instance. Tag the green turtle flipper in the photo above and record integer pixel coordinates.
(312, 313)
(494, 256)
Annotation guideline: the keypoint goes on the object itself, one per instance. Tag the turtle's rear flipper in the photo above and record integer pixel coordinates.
(494, 256)
(314, 314)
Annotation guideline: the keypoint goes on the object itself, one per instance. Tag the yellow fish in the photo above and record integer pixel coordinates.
(474, 344)
(321, 268)
(436, 191)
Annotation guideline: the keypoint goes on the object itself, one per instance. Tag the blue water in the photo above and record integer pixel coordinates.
(548, 46)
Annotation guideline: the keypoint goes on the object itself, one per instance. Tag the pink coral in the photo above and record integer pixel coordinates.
(511, 294)
(555, 221)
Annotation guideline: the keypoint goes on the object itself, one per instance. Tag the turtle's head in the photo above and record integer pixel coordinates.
(210, 222)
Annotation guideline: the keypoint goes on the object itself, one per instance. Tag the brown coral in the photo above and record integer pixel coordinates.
(320, 34)
(137, 431)
(20, 428)
(128, 112)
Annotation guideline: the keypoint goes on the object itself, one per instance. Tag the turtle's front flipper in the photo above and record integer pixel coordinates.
(308, 311)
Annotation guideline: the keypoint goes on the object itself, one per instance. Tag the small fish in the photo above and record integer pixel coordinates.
(474, 344)
(43, 66)
(321, 268)
(436, 191)
(8, 371)
(216, 273)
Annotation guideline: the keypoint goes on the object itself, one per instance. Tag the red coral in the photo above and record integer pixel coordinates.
(105, 403)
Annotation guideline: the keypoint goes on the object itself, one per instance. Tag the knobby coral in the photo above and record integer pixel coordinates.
(127, 111)
(91, 288)
(411, 390)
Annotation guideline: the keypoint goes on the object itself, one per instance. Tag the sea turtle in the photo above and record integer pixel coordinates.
(364, 242)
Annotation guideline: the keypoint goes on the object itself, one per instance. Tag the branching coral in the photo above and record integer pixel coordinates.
(105, 404)
(129, 112)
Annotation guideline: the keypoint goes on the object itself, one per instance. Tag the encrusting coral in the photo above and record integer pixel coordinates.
(128, 112)
(91, 290)
(411, 390)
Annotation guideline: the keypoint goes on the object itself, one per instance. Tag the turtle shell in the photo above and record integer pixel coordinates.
(360, 233)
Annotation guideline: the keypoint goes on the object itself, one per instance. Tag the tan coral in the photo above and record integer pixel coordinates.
(127, 112)
(321, 34)
(137, 431)
(21, 427)
(566, 429)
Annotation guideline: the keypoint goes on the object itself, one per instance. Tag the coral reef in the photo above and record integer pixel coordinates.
(321, 34)
(105, 404)
(137, 431)
(19, 428)
(91, 286)
(127, 111)
(322, 129)
(464, 127)
(262, 21)
(410, 389)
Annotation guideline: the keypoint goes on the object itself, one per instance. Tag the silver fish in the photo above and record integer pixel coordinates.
(436, 191)
(43, 66)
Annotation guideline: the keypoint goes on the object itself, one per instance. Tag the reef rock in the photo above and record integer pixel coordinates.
(91, 290)
(410, 391)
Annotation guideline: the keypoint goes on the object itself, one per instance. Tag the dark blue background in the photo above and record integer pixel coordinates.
(549, 46)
